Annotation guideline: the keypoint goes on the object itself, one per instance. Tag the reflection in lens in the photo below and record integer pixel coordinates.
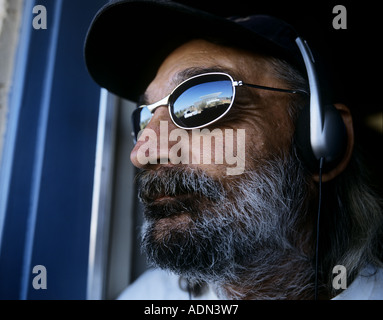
(203, 102)
(141, 118)
(145, 117)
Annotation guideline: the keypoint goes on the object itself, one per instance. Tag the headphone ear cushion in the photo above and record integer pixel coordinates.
(334, 135)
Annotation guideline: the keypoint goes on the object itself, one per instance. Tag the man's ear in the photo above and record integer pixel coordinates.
(347, 119)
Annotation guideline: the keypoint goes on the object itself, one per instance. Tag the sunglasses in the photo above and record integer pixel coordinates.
(198, 101)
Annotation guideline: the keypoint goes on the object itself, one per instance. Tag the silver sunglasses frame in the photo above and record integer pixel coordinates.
(165, 101)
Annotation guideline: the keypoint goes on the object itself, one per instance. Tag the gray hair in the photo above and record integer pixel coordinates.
(352, 216)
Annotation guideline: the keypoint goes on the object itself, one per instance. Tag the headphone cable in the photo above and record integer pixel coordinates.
(321, 160)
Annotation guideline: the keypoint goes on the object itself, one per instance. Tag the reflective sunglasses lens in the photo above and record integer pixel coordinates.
(202, 100)
(141, 118)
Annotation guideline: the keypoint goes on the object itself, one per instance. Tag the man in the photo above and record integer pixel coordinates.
(231, 200)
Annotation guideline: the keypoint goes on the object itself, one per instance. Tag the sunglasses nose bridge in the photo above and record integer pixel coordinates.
(162, 102)
(160, 115)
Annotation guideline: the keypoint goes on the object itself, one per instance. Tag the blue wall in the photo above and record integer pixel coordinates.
(48, 160)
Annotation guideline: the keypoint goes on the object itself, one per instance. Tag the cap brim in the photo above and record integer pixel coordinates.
(128, 40)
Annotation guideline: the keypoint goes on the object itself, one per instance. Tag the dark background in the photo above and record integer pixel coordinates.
(355, 52)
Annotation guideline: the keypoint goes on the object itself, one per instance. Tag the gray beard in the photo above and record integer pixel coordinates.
(246, 235)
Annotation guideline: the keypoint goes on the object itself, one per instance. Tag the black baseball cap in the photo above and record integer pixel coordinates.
(128, 40)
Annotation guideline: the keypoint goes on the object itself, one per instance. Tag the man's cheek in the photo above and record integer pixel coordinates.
(220, 151)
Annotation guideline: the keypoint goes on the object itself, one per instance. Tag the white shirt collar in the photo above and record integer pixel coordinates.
(368, 285)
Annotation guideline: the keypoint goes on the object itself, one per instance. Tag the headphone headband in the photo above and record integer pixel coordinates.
(327, 135)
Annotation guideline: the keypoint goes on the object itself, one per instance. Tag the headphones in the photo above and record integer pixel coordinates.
(320, 131)
(320, 136)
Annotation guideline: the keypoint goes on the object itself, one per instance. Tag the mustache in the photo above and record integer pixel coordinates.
(177, 181)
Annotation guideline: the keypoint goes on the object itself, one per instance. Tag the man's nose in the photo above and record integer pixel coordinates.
(152, 148)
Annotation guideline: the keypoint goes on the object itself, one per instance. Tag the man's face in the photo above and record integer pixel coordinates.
(262, 114)
(201, 222)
